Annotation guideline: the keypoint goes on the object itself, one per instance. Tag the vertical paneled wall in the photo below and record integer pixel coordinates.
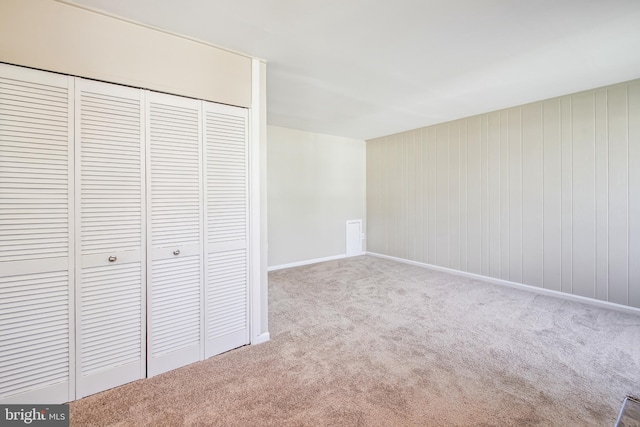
(546, 194)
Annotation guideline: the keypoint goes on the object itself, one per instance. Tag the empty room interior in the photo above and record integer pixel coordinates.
(287, 213)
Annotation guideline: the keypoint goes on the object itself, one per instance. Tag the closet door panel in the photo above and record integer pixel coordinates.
(226, 214)
(36, 236)
(110, 210)
(175, 232)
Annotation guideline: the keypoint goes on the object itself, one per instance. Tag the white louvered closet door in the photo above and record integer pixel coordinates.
(36, 244)
(174, 301)
(110, 214)
(226, 225)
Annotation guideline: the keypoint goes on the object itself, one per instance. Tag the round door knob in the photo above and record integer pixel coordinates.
(112, 258)
(176, 252)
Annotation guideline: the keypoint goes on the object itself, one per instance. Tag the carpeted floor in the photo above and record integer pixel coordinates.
(370, 342)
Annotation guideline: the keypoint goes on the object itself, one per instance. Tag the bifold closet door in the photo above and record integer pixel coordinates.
(174, 187)
(110, 213)
(36, 243)
(226, 225)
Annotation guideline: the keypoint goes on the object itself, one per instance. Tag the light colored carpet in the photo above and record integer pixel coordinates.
(366, 342)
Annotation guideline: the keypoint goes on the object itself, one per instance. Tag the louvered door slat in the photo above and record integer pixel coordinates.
(226, 222)
(227, 293)
(110, 303)
(36, 269)
(174, 182)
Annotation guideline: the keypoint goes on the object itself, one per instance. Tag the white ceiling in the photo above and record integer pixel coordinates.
(364, 69)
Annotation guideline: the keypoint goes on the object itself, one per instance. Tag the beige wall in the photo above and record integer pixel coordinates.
(60, 37)
(546, 194)
(315, 184)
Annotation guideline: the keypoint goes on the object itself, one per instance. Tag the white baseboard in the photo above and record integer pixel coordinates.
(307, 262)
(543, 291)
(262, 338)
